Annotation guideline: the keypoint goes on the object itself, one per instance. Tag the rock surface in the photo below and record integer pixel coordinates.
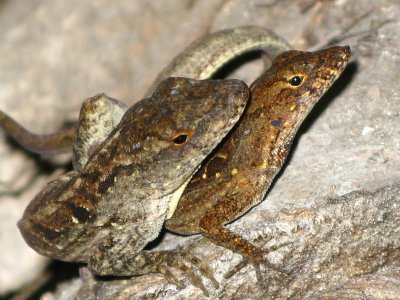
(336, 203)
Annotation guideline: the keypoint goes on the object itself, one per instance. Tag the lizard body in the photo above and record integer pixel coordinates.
(202, 58)
(107, 211)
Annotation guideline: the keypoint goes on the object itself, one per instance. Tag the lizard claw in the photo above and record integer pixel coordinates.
(256, 266)
(256, 260)
(260, 279)
(170, 277)
(203, 267)
(185, 261)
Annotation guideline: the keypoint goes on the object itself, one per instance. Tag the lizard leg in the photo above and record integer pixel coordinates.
(53, 143)
(226, 238)
(212, 226)
(99, 115)
(162, 262)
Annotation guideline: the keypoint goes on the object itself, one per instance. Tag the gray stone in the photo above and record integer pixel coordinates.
(336, 202)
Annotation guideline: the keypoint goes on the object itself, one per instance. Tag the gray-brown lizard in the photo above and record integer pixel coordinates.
(101, 114)
(237, 176)
(106, 211)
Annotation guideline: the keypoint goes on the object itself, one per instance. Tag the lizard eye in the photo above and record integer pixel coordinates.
(296, 80)
(180, 139)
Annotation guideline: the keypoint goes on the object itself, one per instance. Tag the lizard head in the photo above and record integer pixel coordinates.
(169, 134)
(293, 85)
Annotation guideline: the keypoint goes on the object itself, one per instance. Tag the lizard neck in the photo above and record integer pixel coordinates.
(276, 121)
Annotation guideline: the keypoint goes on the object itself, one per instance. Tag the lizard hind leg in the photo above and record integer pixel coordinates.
(183, 260)
(162, 262)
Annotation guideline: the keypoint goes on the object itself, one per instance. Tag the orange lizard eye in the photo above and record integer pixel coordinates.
(296, 80)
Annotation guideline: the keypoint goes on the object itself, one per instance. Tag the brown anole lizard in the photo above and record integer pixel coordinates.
(115, 201)
(237, 176)
(100, 115)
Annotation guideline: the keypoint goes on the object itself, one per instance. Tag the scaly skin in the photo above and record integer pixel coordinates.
(237, 176)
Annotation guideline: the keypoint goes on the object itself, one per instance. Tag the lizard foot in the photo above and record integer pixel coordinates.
(183, 260)
(162, 262)
(256, 264)
(186, 263)
(256, 260)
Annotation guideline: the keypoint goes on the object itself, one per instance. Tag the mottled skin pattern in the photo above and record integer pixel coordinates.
(105, 214)
(99, 115)
(237, 176)
(200, 60)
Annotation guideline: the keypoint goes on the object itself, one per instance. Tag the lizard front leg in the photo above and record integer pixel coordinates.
(212, 227)
(102, 261)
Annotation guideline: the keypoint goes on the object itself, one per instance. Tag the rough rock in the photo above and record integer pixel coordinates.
(335, 205)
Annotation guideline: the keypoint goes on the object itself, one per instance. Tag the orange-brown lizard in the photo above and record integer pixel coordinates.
(237, 176)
